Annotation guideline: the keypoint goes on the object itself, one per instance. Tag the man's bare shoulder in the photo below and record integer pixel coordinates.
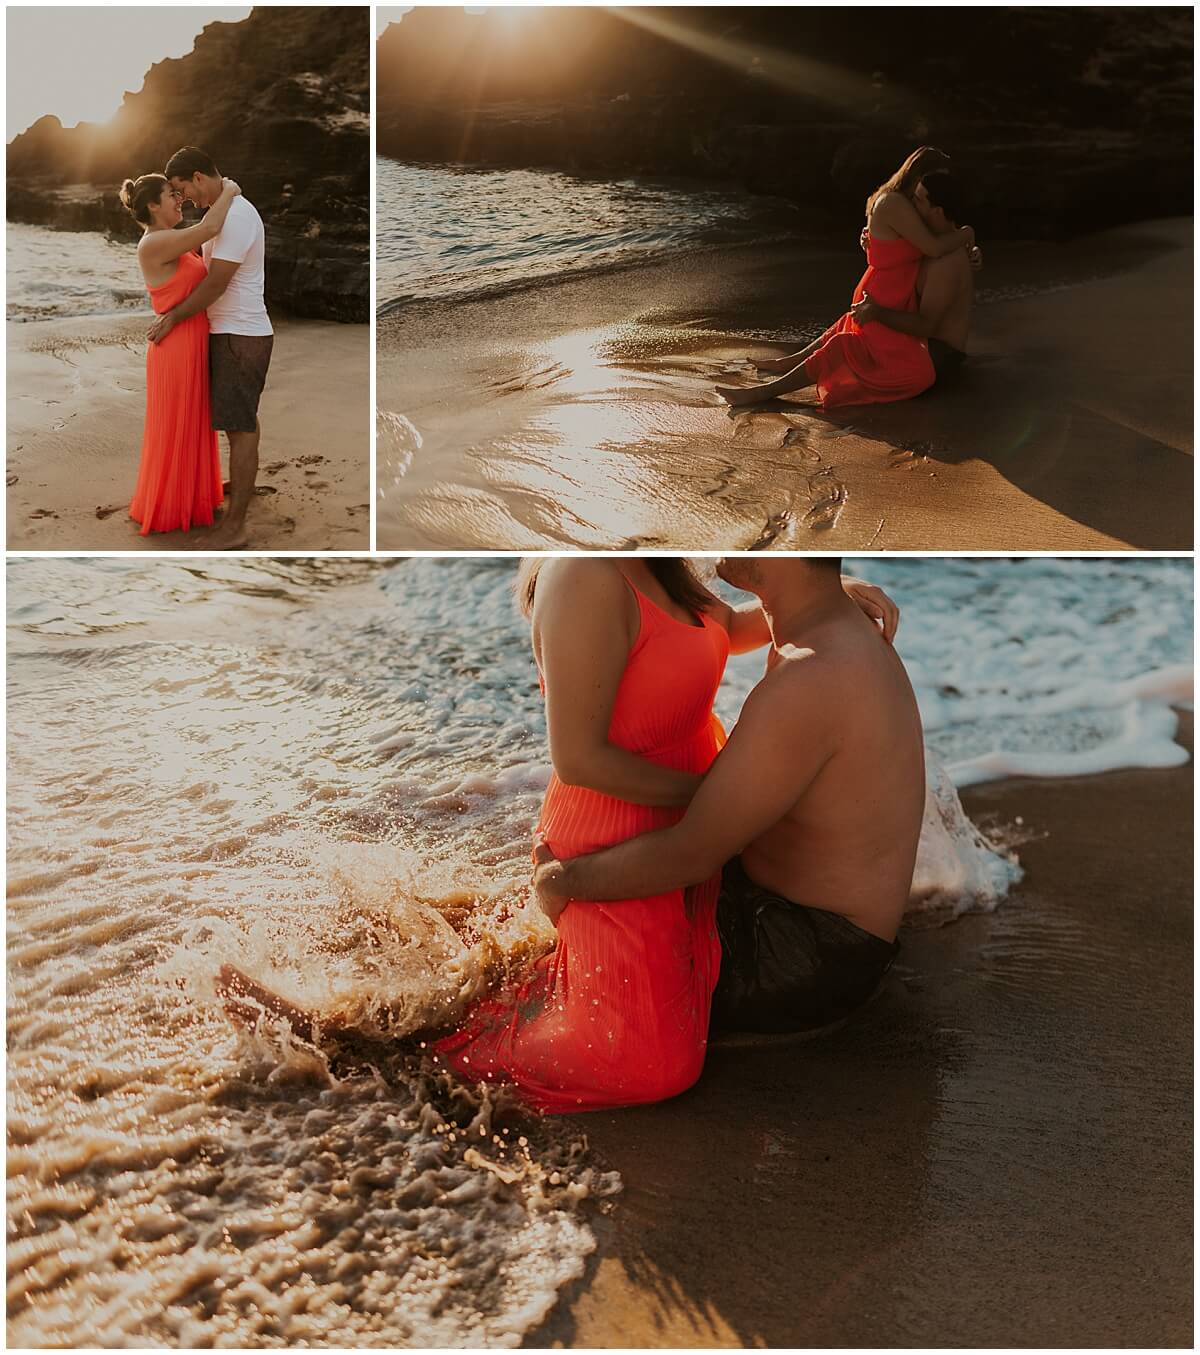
(798, 677)
(954, 266)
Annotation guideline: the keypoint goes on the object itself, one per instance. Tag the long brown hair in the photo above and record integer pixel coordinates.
(924, 160)
(676, 575)
(137, 195)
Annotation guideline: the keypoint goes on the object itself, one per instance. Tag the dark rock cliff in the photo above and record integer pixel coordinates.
(1061, 119)
(281, 101)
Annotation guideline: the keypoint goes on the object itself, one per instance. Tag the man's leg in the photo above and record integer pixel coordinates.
(795, 380)
(243, 472)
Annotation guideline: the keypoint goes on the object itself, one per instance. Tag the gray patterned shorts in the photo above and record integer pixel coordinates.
(237, 373)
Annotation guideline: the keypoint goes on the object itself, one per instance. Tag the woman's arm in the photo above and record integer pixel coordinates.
(584, 624)
(163, 246)
(746, 625)
(896, 212)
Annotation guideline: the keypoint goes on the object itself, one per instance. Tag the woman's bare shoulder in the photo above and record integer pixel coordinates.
(891, 201)
(580, 572)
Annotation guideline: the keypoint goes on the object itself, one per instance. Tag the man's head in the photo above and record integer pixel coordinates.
(194, 176)
(772, 574)
(939, 199)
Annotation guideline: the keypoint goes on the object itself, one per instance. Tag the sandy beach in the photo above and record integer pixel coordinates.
(327, 772)
(996, 1153)
(581, 412)
(76, 400)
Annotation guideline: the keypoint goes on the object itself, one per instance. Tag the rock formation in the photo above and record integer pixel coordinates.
(1062, 119)
(281, 101)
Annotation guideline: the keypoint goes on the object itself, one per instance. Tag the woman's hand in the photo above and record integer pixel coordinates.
(864, 239)
(975, 257)
(874, 603)
(233, 189)
(547, 880)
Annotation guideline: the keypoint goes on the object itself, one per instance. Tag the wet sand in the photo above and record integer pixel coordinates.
(997, 1152)
(76, 401)
(582, 413)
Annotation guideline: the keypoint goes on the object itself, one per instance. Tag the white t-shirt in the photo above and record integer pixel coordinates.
(240, 309)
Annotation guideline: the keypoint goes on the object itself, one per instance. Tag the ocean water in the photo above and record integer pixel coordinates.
(56, 274)
(327, 772)
(445, 232)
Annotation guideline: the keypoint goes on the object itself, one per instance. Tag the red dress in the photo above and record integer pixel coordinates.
(867, 364)
(179, 479)
(618, 1012)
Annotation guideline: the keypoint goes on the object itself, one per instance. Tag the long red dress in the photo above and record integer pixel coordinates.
(618, 1012)
(867, 364)
(179, 479)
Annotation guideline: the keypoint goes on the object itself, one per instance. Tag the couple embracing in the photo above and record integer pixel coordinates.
(210, 348)
(696, 883)
(907, 326)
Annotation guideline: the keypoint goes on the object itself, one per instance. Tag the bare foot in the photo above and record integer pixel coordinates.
(740, 395)
(779, 366)
(246, 1000)
(228, 536)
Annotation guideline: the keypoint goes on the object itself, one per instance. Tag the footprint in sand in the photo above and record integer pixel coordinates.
(275, 467)
(12, 480)
(265, 489)
(43, 513)
(309, 460)
(102, 512)
(828, 498)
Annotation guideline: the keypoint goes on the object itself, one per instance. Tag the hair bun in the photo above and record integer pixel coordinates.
(126, 193)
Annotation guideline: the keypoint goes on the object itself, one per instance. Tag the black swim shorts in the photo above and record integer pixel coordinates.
(786, 967)
(947, 360)
(237, 373)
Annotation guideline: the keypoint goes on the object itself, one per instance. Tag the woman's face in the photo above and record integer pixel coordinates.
(166, 211)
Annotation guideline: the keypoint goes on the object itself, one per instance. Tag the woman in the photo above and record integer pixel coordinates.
(630, 654)
(851, 364)
(179, 480)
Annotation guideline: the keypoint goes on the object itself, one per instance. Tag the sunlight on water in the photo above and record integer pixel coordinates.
(451, 232)
(327, 772)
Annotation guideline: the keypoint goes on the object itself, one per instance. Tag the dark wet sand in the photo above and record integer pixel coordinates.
(582, 414)
(996, 1153)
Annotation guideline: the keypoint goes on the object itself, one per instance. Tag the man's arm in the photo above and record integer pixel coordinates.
(936, 297)
(220, 275)
(776, 750)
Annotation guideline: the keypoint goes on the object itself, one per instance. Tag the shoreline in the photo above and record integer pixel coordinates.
(582, 414)
(76, 402)
(986, 1156)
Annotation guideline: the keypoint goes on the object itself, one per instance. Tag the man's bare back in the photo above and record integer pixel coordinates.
(848, 843)
(945, 292)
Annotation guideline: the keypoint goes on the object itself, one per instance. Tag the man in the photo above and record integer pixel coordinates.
(944, 286)
(813, 808)
(240, 334)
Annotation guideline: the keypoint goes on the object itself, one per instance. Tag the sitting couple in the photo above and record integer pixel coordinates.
(907, 327)
(749, 885)
(209, 348)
